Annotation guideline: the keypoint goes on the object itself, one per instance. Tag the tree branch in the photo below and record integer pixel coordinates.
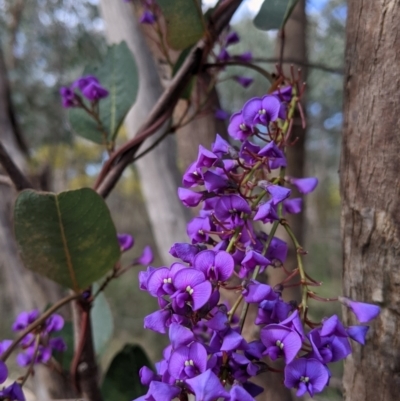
(17, 177)
(163, 109)
(316, 66)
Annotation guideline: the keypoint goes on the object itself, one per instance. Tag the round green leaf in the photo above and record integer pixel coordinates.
(185, 23)
(273, 14)
(122, 381)
(68, 237)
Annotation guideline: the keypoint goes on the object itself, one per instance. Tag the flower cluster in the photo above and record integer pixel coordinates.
(38, 346)
(238, 185)
(90, 88)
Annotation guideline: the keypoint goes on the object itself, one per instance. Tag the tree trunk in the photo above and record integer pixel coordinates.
(370, 188)
(25, 290)
(158, 172)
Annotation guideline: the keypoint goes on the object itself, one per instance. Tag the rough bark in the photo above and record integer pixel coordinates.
(158, 171)
(25, 290)
(370, 189)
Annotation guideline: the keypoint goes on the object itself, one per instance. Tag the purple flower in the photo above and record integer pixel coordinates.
(230, 207)
(237, 128)
(223, 55)
(144, 276)
(256, 292)
(146, 375)
(188, 361)
(330, 348)
(215, 182)
(147, 18)
(125, 242)
(243, 81)
(13, 393)
(306, 375)
(189, 198)
(220, 147)
(284, 94)
(232, 38)
(58, 344)
(251, 260)
(197, 229)
(24, 319)
(332, 326)
(293, 206)
(185, 252)
(180, 335)
(68, 97)
(145, 258)
(358, 333)
(158, 321)
(266, 212)
(205, 158)
(25, 358)
(278, 193)
(364, 312)
(54, 323)
(221, 114)
(276, 157)
(4, 345)
(304, 185)
(261, 110)
(217, 266)
(191, 288)
(192, 176)
(207, 387)
(94, 91)
(277, 250)
(83, 82)
(281, 340)
(161, 281)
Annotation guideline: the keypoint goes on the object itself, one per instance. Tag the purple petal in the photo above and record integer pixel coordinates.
(13, 392)
(214, 182)
(188, 277)
(94, 91)
(189, 198)
(223, 55)
(317, 373)
(205, 158)
(278, 193)
(157, 321)
(146, 257)
(251, 111)
(185, 252)
(358, 333)
(238, 393)
(220, 146)
(221, 115)
(204, 260)
(243, 81)
(305, 185)
(144, 276)
(146, 375)
(232, 340)
(293, 206)
(232, 38)
(54, 323)
(58, 344)
(3, 372)
(125, 242)
(207, 387)
(285, 94)
(180, 335)
(333, 326)
(224, 265)
(201, 294)
(162, 391)
(271, 105)
(237, 128)
(266, 212)
(192, 176)
(147, 18)
(256, 292)
(364, 312)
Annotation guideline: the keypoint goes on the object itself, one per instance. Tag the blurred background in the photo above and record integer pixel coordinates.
(47, 43)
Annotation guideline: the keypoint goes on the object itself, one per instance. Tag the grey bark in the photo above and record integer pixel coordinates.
(158, 170)
(370, 189)
(25, 290)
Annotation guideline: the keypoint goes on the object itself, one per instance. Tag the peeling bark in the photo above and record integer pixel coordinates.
(370, 189)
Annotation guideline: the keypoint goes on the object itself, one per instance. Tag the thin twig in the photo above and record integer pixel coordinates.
(17, 177)
(289, 60)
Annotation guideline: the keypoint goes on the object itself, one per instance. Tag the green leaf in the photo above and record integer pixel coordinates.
(102, 321)
(185, 23)
(122, 381)
(273, 14)
(68, 237)
(118, 74)
(65, 358)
